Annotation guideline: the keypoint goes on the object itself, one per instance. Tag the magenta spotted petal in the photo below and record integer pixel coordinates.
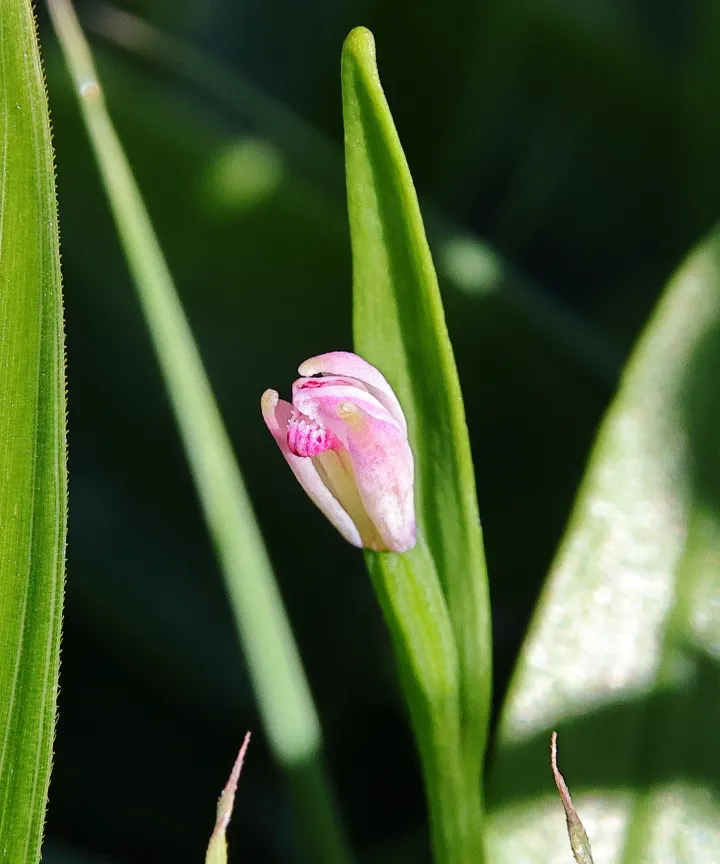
(345, 438)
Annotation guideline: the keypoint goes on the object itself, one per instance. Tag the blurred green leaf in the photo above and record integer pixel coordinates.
(281, 688)
(623, 653)
(399, 326)
(32, 440)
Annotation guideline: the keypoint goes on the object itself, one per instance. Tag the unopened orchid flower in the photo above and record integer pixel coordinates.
(345, 438)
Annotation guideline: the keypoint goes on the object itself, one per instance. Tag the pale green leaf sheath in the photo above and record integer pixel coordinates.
(622, 657)
(32, 440)
(434, 597)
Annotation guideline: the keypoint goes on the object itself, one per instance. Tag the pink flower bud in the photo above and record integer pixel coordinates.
(345, 438)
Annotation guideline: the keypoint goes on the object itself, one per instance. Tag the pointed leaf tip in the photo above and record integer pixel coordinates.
(579, 842)
(217, 847)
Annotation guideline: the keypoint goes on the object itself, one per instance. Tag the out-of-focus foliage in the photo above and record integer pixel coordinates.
(623, 653)
(33, 476)
(280, 687)
(580, 139)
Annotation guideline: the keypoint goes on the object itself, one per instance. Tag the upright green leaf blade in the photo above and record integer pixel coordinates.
(32, 439)
(399, 326)
(623, 654)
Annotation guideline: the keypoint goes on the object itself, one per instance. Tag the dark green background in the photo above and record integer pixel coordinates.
(578, 139)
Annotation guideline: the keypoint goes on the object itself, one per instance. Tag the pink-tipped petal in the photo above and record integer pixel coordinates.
(344, 363)
(277, 414)
(345, 438)
(384, 473)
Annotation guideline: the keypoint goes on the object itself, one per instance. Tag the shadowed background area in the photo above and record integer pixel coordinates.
(566, 157)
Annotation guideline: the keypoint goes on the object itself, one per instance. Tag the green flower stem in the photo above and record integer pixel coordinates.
(416, 613)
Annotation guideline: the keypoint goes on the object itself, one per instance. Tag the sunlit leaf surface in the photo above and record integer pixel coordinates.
(623, 654)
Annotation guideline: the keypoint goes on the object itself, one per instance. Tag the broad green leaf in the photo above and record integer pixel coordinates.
(623, 654)
(32, 440)
(274, 664)
(399, 326)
